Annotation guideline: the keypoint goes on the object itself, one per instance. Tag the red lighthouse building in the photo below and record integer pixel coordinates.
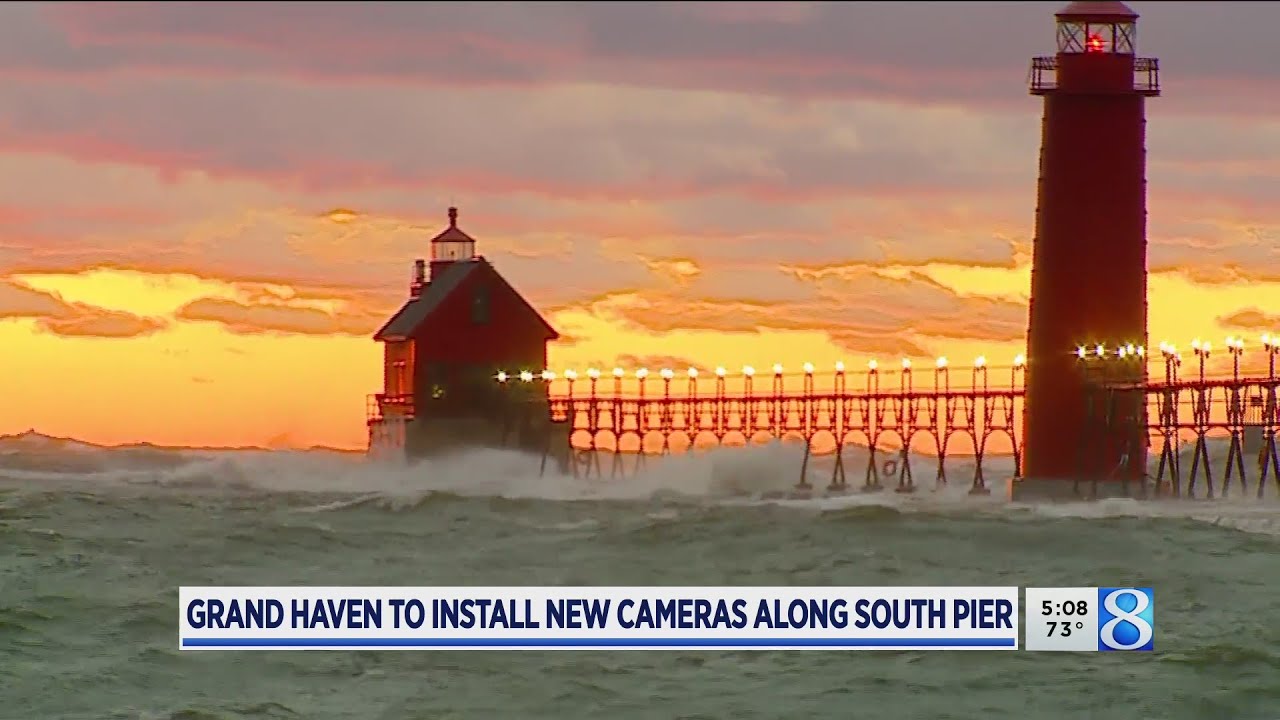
(462, 323)
(1088, 315)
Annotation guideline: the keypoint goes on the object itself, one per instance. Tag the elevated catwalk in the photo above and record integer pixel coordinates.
(616, 422)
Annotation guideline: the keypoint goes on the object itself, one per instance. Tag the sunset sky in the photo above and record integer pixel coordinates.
(206, 210)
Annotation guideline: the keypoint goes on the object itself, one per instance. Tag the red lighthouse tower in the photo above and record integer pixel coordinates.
(1088, 317)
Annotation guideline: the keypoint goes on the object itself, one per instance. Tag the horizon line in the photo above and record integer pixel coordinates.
(158, 446)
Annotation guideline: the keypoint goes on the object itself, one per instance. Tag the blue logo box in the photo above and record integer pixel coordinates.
(1126, 619)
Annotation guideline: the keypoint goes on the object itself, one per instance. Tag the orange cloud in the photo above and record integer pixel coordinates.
(1251, 319)
(341, 216)
(679, 270)
(57, 316)
(873, 344)
(104, 324)
(21, 301)
(633, 362)
(1226, 274)
(252, 318)
(858, 309)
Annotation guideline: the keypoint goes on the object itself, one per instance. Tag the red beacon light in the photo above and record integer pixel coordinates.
(1096, 44)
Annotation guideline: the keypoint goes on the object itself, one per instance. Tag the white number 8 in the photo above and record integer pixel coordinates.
(1108, 630)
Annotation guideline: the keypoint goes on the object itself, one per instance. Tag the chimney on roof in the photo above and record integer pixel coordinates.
(419, 278)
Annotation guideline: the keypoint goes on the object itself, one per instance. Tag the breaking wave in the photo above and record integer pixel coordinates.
(763, 474)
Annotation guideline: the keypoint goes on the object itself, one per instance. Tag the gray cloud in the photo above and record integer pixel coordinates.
(585, 141)
(581, 139)
(929, 51)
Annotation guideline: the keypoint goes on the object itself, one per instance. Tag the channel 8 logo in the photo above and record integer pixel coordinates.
(1126, 619)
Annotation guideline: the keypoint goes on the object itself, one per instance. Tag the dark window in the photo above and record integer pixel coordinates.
(399, 378)
(437, 380)
(480, 306)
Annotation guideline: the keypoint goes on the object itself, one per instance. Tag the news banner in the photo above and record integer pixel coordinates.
(665, 618)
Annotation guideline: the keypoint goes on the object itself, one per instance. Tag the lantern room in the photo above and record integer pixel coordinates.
(451, 245)
(1096, 54)
(1097, 27)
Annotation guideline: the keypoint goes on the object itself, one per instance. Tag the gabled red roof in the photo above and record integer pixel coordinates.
(415, 311)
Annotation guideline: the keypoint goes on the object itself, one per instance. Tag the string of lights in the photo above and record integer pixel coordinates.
(941, 364)
(1169, 356)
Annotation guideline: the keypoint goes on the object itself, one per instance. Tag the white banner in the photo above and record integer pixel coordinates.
(581, 618)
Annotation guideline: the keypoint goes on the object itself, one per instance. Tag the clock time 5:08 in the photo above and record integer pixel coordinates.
(1078, 608)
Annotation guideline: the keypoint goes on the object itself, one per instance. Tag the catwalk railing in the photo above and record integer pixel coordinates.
(1042, 78)
(939, 410)
(907, 420)
(1190, 408)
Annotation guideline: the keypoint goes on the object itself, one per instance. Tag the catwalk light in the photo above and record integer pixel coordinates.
(979, 361)
(871, 365)
(548, 375)
(642, 373)
(693, 372)
(570, 375)
(1019, 360)
(808, 368)
(748, 370)
(618, 372)
(526, 376)
(906, 363)
(501, 376)
(593, 373)
(720, 371)
(777, 369)
(666, 373)
(941, 363)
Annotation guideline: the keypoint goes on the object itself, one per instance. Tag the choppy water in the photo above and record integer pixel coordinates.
(93, 546)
